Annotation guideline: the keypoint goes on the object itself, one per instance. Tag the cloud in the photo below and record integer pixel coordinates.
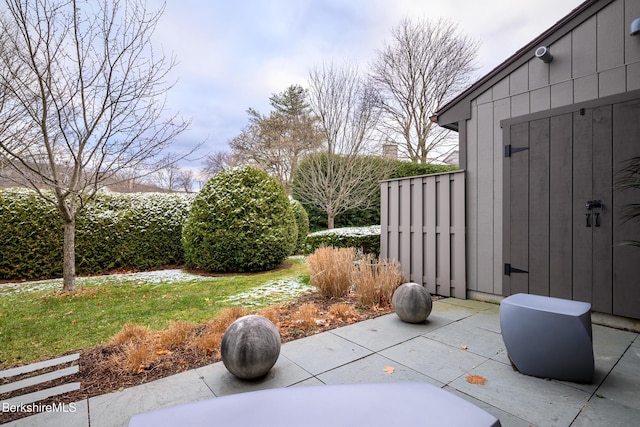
(235, 54)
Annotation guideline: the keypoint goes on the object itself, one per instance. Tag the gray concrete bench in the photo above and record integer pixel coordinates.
(548, 337)
(370, 405)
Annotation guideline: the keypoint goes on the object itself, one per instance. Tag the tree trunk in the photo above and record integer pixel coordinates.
(330, 221)
(69, 256)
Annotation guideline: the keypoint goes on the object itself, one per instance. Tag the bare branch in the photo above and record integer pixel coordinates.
(426, 64)
(83, 97)
(341, 178)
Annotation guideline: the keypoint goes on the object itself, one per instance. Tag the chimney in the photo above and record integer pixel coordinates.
(390, 151)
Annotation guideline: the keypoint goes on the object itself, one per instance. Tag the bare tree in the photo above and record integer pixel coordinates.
(339, 178)
(218, 161)
(426, 64)
(168, 175)
(185, 180)
(83, 97)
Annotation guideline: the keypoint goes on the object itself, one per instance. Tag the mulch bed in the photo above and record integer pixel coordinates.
(98, 376)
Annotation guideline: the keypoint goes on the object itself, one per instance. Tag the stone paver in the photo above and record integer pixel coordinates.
(115, 409)
(322, 352)
(74, 415)
(541, 402)
(453, 312)
(374, 369)
(601, 411)
(622, 385)
(49, 376)
(475, 340)
(506, 419)
(39, 365)
(382, 332)
(434, 359)
(221, 382)
(385, 349)
(39, 395)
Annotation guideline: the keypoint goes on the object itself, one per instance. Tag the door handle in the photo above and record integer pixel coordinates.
(593, 205)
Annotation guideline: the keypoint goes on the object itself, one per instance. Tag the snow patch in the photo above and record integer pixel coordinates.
(271, 293)
(146, 277)
(350, 231)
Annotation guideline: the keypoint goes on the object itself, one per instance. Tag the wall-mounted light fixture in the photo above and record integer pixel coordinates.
(635, 27)
(543, 53)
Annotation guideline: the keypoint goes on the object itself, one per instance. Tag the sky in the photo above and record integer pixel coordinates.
(234, 54)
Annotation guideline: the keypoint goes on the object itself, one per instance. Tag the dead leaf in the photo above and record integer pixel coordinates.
(162, 352)
(476, 379)
(68, 313)
(389, 369)
(464, 347)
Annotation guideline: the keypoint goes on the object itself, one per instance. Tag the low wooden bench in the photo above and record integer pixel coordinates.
(548, 337)
(370, 405)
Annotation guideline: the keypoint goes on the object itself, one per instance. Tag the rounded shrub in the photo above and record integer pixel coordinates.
(302, 222)
(240, 221)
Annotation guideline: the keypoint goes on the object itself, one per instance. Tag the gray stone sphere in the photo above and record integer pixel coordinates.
(250, 347)
(412, 303)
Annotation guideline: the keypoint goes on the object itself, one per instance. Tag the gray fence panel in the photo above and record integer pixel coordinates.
(423, 228)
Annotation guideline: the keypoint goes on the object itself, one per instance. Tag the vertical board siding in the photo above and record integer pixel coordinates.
(603, 182)
(582, 192)
(626, 261)
(561, 204)
(423, 227)
(539, 209)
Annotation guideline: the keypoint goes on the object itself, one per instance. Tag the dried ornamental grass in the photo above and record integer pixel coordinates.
(135, 358)
(131, 332)
(176, 335)
(341, 311)
(225, 318)
(272, 314)
(207, 343)
(305, 316)
(374, 280)
(330, 270)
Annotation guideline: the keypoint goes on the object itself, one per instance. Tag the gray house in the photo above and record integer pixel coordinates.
(542, 139)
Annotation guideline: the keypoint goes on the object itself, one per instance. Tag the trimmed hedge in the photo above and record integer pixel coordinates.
(31, 235)
(138, 231)
(365, 239)
(114, 231)
(302, 222)
(365, 217)
(240, 221)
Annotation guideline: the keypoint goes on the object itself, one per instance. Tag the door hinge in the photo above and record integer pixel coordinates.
(508, 270)
(509, 150)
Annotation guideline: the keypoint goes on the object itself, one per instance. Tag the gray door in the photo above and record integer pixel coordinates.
(563, 216)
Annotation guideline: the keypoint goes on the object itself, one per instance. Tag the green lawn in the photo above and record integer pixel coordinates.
(37, 321)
